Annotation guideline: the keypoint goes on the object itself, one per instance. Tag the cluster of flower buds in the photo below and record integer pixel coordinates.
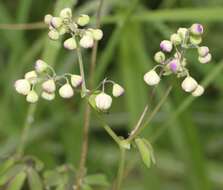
(171, 58)
(64, 23)
(103, 101)
(39, 81)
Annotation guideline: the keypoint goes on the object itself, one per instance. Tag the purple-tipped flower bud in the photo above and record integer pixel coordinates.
(70, 44)
(48, 96)
(56, 22)
(76, 80)
(40, 66)
(22, 86)
(189, 84)
(205, 59)
(159, 57)
(197, 29)
(174, 65)
(32, 97)
(198, 91)
(103, 101)
(151, 78)
(31, 77)
(166, 46)
(66, 91)
(117, 90)
(49, 86)
(203, 51)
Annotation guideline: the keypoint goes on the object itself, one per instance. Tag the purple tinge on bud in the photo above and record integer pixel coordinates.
(174, 65)
(166, 46)
(199, 28)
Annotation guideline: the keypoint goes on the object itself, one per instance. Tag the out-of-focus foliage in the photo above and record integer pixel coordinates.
(187, 134)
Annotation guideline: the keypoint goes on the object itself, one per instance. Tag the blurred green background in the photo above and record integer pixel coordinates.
(187, 134)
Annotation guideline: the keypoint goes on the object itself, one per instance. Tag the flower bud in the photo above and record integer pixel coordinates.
(66, 13)
(83, 20)
(117, 90)
(66, 91)
(32, 97)
(62, 30)
(174, 65)
(198, 91)
(175, 39)
(196, 40)
(70, 44)
(48, 96)
(56, 22)
(87, 41)
(189, 84)
(47, 19)
(182, 33)
(49, 86)
(22, 86)
(40, 66)
(197, 29)
(159, 57)
(53, 35)
(103, 101)
(76, 80)
(97, 34)
(151, 78)
(166, 46)
(205, 59)
(203, 51)
(31, 77)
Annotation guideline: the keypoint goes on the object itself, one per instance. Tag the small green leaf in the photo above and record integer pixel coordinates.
(144, 151)
(52, 178)
(17, 182)
(86, 187)
(6, 165)
(34, 180)
(10, 173)
(97, 179)
(151, 150)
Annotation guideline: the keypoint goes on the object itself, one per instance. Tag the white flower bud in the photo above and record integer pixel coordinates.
(48, 96)
(182, 33)
(22, 86)
(197, 29)
(87, 41)
(66, 13)
(76, 80)
(31, 77)
(203, 51)
(70, 44)
(97, 34)
(83, 20)
(56, 22)
(49, 86)
(117, 90)
(189, 84)
(32, 97)
(198, 91)
(47, 19)
(175, 39)
(66, 91)
(205, 59)
(159, 57)
(195, 40)
(166, 46)
(40, 66)
(53, 35)
(103, 101)
(151, 78)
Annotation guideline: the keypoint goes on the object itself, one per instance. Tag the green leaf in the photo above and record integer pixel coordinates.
(17, 182)
(34, 180)
(97, 179)
(6, 165)
(86, 187)
(9, 174)
(52, 178)
(144, 151)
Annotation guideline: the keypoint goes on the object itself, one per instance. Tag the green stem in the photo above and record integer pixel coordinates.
(26, 128)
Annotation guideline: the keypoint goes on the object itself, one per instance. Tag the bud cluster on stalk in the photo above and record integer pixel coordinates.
(43, 82)
(103, 101)
(171, 58)
(79, 35)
